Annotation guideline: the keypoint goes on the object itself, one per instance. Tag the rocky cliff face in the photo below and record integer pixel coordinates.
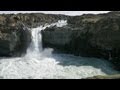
(14, 34)
(14, 40)
(30, 20)
(88, 35)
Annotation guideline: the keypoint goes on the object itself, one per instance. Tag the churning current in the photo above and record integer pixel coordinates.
(42, 64)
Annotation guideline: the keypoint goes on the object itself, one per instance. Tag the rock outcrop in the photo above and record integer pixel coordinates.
(15, 36)
(88, 35)
(14, 40)
(30, 20)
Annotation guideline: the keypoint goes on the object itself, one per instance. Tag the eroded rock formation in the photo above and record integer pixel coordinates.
(15, 35)
(86, 35)
(14, 40)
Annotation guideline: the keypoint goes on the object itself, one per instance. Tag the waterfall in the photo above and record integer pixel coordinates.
(36, 44)
(42, 64)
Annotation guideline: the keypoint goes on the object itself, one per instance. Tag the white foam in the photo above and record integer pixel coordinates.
(53, 67)
(42, 64)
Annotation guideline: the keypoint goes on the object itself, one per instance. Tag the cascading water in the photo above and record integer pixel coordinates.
(40, 64)
(36, 45)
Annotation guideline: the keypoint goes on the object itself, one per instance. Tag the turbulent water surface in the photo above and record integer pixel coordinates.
(42, 64)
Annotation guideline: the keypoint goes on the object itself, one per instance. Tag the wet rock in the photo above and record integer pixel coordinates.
(15, 36)
(14, 40)
(88, 35)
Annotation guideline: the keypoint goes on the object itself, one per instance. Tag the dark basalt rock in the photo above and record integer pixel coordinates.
(88, 35)
(31, 20)
(15, 37)
(14, 40)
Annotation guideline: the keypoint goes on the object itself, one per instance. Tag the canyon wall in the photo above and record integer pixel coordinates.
(15, 35)
(87, 35)
(14, 40)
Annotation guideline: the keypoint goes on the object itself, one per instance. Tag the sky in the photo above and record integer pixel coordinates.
(70, 13)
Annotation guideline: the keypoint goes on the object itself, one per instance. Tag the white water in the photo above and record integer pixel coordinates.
(42, 64)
